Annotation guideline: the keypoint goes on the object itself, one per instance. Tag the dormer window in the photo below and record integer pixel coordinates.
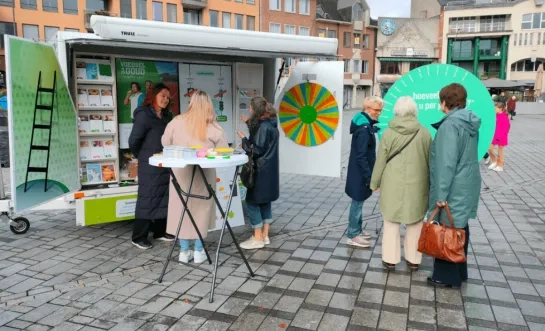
(320, 11)
(357, 12)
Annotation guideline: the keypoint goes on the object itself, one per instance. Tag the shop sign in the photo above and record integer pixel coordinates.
(409, 52)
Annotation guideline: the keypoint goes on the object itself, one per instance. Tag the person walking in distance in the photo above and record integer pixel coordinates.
(360, 167)
(512, 106)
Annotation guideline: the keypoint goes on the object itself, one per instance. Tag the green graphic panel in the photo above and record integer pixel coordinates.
(26, 60)
(423, 85)
(144, 73)
(104, 210)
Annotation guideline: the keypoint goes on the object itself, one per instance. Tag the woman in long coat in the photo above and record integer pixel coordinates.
(455, 176)
(150, 121)
(401, 173)
(262, 145)
(196, 127)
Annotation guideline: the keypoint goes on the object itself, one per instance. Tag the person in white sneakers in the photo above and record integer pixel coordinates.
(262, 146)
(360, 167)
(500, 138)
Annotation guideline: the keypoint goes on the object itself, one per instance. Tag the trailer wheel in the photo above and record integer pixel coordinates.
(19, 225)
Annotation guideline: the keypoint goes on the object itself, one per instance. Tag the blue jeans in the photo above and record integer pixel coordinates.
(355, 221)
(259, 213)
(185, 243)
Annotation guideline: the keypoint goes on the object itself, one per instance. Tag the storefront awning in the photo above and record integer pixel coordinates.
(405, 59)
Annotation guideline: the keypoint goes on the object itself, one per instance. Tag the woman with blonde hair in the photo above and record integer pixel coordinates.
(401, 173)
(196, 127)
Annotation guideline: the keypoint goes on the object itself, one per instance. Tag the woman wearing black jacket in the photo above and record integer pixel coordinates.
(263, 145)
(150, 121)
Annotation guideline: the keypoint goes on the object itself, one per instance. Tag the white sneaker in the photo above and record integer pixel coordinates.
(365, 235)
(487, 161)
(266, 241)
(186, 256)
(199, 257)
(252, 244)
(499, 169)
(492, 166)
(358, 242)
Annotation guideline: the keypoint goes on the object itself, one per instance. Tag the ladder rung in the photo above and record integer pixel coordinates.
(37, 169)
(42, 126)
(44, 107)
(45, 90)
(40, 148)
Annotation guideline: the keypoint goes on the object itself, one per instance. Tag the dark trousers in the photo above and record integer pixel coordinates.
(142, 227)
(451, 273)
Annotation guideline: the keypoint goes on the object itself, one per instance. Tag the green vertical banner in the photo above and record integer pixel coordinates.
(41, 113)
(134, 78)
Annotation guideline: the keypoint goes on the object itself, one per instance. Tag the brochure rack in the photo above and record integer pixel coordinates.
(97, 119)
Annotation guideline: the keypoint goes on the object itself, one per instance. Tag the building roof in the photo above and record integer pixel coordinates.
(338, 10)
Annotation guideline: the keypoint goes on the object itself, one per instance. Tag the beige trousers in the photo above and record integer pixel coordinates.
(391, 243)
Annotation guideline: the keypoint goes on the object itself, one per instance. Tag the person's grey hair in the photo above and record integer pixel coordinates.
(368, 101)
(405, 106)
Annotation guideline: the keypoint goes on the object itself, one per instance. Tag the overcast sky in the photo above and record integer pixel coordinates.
(389, 8)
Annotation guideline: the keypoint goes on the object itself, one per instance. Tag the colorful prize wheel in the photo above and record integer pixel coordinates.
(309, 114)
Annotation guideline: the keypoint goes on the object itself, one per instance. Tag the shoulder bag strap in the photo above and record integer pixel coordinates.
(402, 148)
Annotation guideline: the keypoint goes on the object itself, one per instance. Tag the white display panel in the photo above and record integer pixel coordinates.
(324, 159)
(216, 80)
(249, 82)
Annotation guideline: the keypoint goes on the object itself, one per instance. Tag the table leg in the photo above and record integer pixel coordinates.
(184, 203)
(225, 215)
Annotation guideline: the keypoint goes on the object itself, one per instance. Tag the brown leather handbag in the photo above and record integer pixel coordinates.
(440, 241)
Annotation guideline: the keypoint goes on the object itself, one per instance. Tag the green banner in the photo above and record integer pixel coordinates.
(41, 114)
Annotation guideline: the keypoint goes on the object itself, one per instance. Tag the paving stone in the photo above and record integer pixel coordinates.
(39, 313)
(319, 297)
(234, 306)
(508, 315)
(59, 316)
(422, 314)
(7, 316)
(451, 318)
(479, 311)
(307, 319)
(289, 304)
(392, 321)
(365, 317)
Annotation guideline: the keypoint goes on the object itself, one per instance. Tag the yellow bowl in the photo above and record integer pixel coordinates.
(196, 147)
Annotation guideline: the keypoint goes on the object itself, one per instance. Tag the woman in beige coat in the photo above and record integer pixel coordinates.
(401, 173)
(196, 127)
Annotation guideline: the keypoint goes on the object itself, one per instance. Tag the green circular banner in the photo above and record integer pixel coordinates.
(423, 85)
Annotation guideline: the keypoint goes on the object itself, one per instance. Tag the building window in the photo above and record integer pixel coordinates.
(414, 65)
(71, 30)
(126, 8)
(50, 5)
(357, 37)
(95, 5)
(543, 20)
(347, 40)
(6, 28)
(493, 23)
(533, 21)
(463, 24)
(520, 39)
(304, 31)
(364, 67)
(274, 4)
(527, 21)
(226, 20)
(31, 32)
(321, 33)
(462, 48)
(391, 68)
(289, 6)
(346, 65)
(70, 6)
(331, 34)
(192, 17)
(539, 38)
(50, 32)
(536, 24)
(290, 29)
(239, 22)
(526, 39)
(5, 3)
(214, 18)
(250, 23)
(357, 12)
(531, 39)
(275, 28)
(356, 66)
(304, 7)
(29, 4)
(365, 41)
(239, 1)
(490, 47)
(157, 11)
(172, 13)
(514, 39)
(141, 9)
(250, 2)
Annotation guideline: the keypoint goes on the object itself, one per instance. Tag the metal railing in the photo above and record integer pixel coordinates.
(460, 5)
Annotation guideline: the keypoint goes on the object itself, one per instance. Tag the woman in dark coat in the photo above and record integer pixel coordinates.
(150, 121)
(263, 145)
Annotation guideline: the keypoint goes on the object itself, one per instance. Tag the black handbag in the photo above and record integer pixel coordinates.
(247, 174)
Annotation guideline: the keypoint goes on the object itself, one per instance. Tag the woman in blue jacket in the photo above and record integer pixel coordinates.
(455, 177)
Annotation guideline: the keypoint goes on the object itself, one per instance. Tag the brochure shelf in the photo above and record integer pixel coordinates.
(97, 113)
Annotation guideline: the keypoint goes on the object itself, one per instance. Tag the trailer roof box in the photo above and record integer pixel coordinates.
(218, 40)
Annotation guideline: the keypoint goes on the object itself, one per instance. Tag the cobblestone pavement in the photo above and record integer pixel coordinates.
(62, 277)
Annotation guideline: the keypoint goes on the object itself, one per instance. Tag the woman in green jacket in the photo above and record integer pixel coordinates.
(401, 173)
(455, 176)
